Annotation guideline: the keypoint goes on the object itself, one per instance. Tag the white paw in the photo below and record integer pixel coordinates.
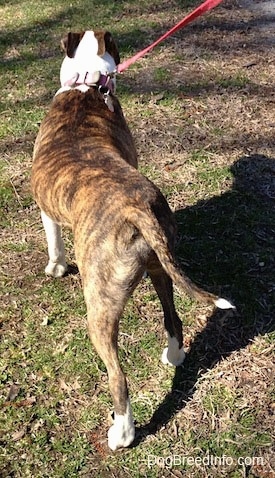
(122, 432)
(224, 304)
(174, 357)
(55, 269)
(118, 439)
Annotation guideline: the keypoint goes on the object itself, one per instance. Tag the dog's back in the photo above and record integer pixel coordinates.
(84, 174)
(72, 145)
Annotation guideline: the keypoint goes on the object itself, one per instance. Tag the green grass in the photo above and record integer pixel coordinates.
(202, 130)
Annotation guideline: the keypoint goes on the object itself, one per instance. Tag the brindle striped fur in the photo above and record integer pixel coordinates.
(84, 175)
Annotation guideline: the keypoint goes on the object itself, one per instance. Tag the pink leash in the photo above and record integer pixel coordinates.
(204, 7)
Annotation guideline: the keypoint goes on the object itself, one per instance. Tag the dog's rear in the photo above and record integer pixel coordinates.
(84, 175)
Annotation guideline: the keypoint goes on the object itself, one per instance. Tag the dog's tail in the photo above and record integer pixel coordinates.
(149, 227)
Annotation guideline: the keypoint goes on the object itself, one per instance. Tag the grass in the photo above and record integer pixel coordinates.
(203, 124)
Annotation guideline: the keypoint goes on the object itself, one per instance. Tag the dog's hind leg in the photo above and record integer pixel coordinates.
(57, 264)
(174, 353)
(105, 302)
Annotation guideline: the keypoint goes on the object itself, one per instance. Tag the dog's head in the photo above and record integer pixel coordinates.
(88, 52)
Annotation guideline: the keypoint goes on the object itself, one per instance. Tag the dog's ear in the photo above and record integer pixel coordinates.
(70, 43)
(107, 43)
(111, 47)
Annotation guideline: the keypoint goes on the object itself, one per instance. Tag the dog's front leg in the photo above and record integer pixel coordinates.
(57, 264)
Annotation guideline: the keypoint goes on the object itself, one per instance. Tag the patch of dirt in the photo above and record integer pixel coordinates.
(261, 6)
(264, 12)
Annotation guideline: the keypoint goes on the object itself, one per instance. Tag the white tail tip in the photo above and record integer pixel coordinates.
(224, 304)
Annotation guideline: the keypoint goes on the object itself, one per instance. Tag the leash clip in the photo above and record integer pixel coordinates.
(106, 97)
(108, 101)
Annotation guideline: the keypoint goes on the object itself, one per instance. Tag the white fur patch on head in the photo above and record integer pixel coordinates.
(86, 59)
(88, 43)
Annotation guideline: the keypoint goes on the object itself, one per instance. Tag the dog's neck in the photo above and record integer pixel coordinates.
(92, 79)
(104, 85)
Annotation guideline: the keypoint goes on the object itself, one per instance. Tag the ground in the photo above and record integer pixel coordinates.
(201, 109)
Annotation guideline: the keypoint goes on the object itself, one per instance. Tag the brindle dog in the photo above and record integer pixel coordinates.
(84, 175)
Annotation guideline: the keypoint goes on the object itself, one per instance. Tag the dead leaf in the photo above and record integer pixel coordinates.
(45, 320)
(22, 403)
(13, 392)
(18, 435)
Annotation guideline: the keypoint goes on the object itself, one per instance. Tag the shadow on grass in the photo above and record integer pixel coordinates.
(230, 239)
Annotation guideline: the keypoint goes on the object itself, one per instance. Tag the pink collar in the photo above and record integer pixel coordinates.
(92, 79)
